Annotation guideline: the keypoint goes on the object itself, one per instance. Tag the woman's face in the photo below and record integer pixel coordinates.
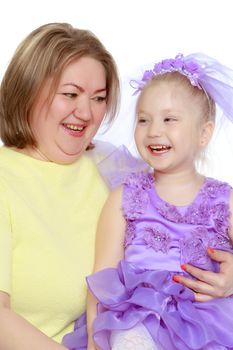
(64, 128)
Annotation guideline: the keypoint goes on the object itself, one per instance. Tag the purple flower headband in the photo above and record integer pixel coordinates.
(190, 69)
(203, 72)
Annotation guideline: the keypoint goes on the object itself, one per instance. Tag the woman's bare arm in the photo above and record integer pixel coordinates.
(18, 334)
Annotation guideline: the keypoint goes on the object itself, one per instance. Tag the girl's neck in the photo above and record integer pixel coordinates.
(178, 189)
(178, 178)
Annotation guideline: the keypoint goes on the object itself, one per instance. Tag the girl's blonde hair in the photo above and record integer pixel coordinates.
(206, 103)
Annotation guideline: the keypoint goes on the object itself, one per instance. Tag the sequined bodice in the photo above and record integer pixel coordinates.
(162, 236)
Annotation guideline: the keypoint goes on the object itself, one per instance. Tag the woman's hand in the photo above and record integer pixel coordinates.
(210, 285)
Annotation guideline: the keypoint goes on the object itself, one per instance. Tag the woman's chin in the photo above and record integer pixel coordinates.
(67, 158)
(64, 156)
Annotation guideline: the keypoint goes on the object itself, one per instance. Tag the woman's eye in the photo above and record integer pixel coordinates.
(70, 94)
(100, 98)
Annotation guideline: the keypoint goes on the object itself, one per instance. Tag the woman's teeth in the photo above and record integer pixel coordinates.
(74, 127)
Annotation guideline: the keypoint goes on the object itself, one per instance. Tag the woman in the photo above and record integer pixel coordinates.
(58, 88)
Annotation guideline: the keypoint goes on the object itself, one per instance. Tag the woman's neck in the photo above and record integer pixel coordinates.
(41, 155)
(33, 152)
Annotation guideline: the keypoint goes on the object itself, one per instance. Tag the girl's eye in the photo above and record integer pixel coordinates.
(169, 119)
(142, 120)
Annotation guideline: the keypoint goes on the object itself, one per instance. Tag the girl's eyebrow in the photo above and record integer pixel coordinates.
(141, 111)
(80, 88)
(164, 110)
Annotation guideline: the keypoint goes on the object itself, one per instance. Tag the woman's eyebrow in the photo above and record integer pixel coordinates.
(82, 89)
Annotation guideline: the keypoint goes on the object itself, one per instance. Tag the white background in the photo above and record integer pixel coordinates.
(135, 32)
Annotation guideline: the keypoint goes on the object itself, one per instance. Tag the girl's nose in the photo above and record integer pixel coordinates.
(155, 130)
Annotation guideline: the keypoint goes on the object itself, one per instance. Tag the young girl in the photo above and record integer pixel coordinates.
(158, 222)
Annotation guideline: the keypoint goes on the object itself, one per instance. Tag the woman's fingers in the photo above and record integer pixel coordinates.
(197, 286)
(208, 277)
(220, 256)
(208, 285)
(202, 297)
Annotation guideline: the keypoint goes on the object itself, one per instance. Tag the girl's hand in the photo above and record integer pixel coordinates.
(210, 285)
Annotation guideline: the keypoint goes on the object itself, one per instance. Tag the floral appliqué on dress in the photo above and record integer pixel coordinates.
(136, 200)
(157, 238)
(207, 210)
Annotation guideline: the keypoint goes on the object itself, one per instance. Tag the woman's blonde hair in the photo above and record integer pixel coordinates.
(44, 54)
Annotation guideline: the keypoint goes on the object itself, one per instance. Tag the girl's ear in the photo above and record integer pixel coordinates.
(207, 130)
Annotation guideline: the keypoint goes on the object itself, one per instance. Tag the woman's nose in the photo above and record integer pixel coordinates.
(82, 109)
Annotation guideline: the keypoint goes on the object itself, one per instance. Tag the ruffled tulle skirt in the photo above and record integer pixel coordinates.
(130, 298)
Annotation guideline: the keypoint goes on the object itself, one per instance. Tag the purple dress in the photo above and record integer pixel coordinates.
(159, 238)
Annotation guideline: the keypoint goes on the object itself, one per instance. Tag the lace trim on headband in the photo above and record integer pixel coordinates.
(190, 69)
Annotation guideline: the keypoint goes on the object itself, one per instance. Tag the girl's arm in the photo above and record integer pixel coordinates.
(18, 334)
(109, 248)
(209, 284)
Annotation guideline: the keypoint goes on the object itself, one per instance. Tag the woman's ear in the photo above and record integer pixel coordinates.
(207, 130)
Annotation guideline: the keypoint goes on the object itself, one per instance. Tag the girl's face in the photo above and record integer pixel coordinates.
(64, 128)
(170, 132)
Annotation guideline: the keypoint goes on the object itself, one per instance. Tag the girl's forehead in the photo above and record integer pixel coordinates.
(162, 90)
(168, 96)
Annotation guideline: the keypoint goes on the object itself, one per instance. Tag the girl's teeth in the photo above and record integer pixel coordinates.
(159, 148)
